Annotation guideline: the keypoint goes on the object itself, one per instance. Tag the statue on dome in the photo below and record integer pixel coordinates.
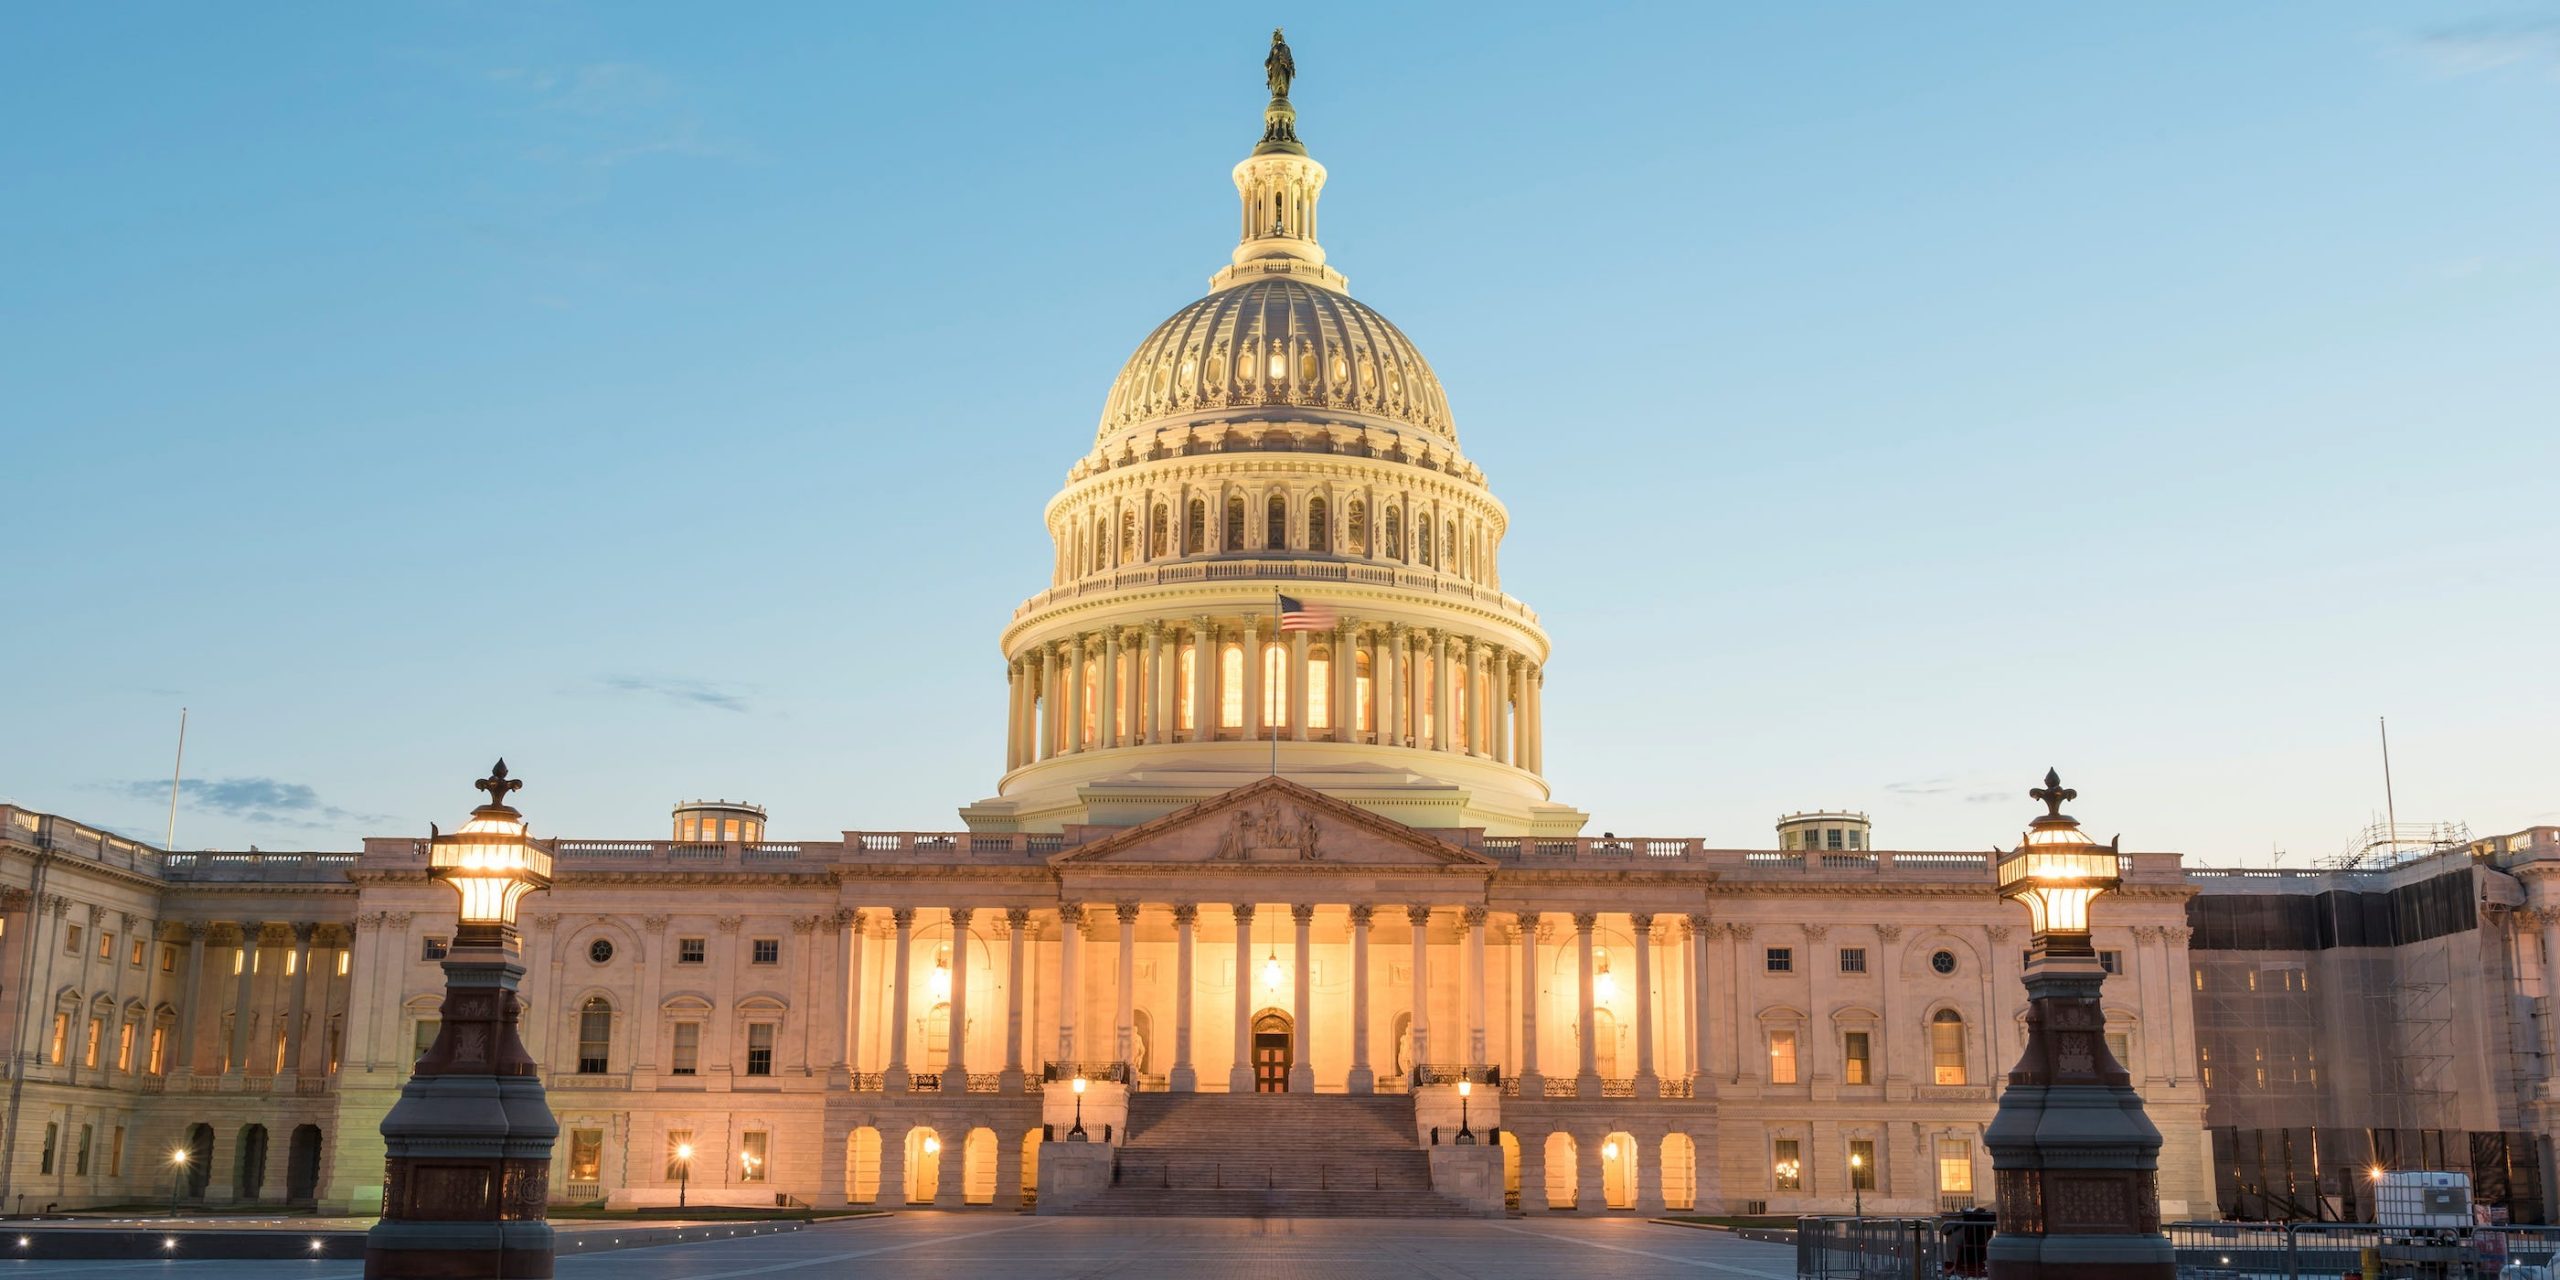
(1279, 68)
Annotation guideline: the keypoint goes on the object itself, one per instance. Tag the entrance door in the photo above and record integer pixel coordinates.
(1271, 1053)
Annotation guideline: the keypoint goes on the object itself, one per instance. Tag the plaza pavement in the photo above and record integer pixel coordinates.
(930, 1246)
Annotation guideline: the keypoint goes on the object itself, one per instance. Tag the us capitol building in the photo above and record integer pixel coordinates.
(1270, 894)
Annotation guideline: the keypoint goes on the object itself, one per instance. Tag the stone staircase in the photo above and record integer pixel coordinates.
(1277, 1155)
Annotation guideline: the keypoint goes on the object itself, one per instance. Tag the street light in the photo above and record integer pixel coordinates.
(1077, 1134)
(684, 1172)
(2069, 1116)
(1466, 1136)
(1857, 1184)
(177, 1176)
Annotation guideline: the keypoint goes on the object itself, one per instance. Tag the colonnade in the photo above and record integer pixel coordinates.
(1387, 684)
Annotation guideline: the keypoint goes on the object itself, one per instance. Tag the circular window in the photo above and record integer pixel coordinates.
(1943, 961)
(601, 950)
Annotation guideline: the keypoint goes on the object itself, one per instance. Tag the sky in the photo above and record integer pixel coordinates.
(1890, 400)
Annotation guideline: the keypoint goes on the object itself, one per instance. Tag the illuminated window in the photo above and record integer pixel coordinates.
(751, 1155)
(1319, 529)
(1782, 1057)
(1360, 694)
(1854, 1058)
(159, 1051)
(1955, 1166)
(688, 1049)
(168, 959)
(1275, 685)
(1458, 723)
(1186, 664)
(1786, 1164)
(89, 1044)
(759, 1048)
(124, 1047)
(106, 944)
(586, 1155)
(1423, 716)
(61, 1038)
(1275, 524)
(1862, 1163)
(595, 1036)
(1946, 1047)
(679, 1153)
(1231, 686)
(345, 958)
(1092, 701)
(1320, 689)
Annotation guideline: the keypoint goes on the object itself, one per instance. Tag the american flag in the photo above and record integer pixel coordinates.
(1298, 615)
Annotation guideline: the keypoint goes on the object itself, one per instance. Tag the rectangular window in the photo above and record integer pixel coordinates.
(1946, 1049)
(759, 1048)
(159, 1051)
(751, 1155)
(1853, 959)
(2111, 961)
(1782, 1057)
(1782, 960)
(423, 1037)
(80, 1154)
(71, 940)
(2121, 1045)
(106, 944)
(1854, 840)
(1831, 838)
(89, 1044)
(135, 959)
(432, 948)
(688, 1051)
(346, 958)
(1955, 1166)
(124, 1046)
(1853, 1053)
(679, 1153)
(1786, 1164)
(1230, 686)
(52, 1137)
(168, 959)
(1862, 1163)
(61, 1038)
(765, 951)
(595, 1037)
(586, 1155)
(688, 951)
(115, 1153)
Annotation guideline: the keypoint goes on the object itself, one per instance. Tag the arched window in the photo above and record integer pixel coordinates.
(1361, 718)
(1395, 536)
(1128, 536)
(1196, 530)
(1275, 524)
(1359, 528)
(1187, 666)
(1449, 545)
(1234, 540)
(595, 1036)
(1320, 689)
(1092, 703)
(1946, 1047)
(1422, 542)
(1319, 534)
(1160, 534)
(1275, 685)
(1231, 686)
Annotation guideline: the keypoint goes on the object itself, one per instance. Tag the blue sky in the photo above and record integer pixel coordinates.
(1891, 400)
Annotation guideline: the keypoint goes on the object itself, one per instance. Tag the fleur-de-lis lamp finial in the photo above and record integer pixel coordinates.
(2053, 793)
(498, 784)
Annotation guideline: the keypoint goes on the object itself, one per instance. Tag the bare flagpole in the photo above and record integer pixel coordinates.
(1266, 682)
(2390, 807)
(170, 841)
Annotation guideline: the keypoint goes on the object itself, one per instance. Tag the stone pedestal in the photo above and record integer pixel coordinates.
(1470, 1176)
(2076, 1160)
(1072, 1173)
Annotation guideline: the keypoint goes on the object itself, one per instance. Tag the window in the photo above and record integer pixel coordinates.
(115, 1152)
(1786, 1164)
(1854, 840)
(679, 1147)
(345, 961)
(1230, 686)
(159, 1050)
(1195, 528)
(600, 951)
(1234, 541)
(61, 1038)
(80, 1154)
(124, 1046)
(2111, 961)
(2120, 1046)
(135, 959)
(1395, 535)
(1955, 1166)
(586, 1155)
(430, 947)
(759, 1048)
(688, 951)
(106, 944)
(1782, 960)
(71, 939)
(1319, 526)
(1854, 1058)
(1946, 1047)
(595, 1036)
(752, 1146)
(1943, 961)
(1275, 684)
(52, 1136)
(1831, 838)
(1853, 959)
(168, 959)
(1275, 524)
(422, 1037)
(337, 1041)
(1862, 1163)
(687, 1059)
(1320, 689)
(89, 1044)
(765, 951)
(1782, 1057)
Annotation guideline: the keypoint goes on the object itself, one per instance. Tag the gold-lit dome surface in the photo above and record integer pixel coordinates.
(1277, 343)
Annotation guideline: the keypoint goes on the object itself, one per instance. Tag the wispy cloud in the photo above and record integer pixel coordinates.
(1922, 787)
(260, 800)
(2492, 44)
(1918, 788)
(701, 693)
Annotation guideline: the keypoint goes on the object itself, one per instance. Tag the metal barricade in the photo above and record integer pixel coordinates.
(1868, 1249)
(2327, 1250)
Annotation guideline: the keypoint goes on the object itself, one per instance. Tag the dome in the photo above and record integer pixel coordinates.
(1273, 343)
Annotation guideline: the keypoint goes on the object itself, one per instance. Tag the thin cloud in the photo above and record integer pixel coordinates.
(1922, 787)
(700, 693)
(260, 800)
(2492, 44)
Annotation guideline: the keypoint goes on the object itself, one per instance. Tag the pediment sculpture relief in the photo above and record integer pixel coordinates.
(1259, 831)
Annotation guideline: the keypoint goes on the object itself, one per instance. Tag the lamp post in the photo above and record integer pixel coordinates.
(468, 1144)
(2076, 1160)
(1857, 1185)
(177, 1177)
(684, 1172)
(1077, 1134)
(1466, 1136)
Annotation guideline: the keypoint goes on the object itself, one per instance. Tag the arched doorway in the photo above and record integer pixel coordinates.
(1679, 1171)
(1271, 1052)
(1618, 1160)
(924, 1165)
(1510, 1170)
(862, 1165)
(1563, 1175)
(199, 1172)
(302, 1164)
(249, 1168)
(1031, 1169)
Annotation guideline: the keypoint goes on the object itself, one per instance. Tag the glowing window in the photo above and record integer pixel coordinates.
(1854, 1058)
(1786, 1165)
(1275, 684)
(586, 1155)
(1186, 663)
(1946, 1047)
(1782, 1057)
(1955, 1166)
(1231, 686)
(1360, 693)
(1320, 689)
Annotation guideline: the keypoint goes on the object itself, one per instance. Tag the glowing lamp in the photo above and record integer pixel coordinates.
(1079, 1086)
(1271, 971)
(1609, 1150)
(491, 862)
(1466, 1087)
(2058, 872)
(932, 1145)
(940, 982)
(1604, 987)
(684, 1153)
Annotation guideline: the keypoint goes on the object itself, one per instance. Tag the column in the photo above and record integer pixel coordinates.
(1012, 715)
(1204, 675)
(1302, 1073)
(1124, 1028)
(1301, 698)
(1507, 668)
(1537, 683)
(894, 1080)
(1362, 1078)
(1017, 922)
(1346, 682)
(247, 995)
(1586, 1080)
(955, 1060)
(1388, 671)
(1049, 701)
(1442, 687)
(1240, 1075)
(1252, 678)
(184, 1064)
(1183, 1078)
(1070, 979)
(1479, 699)
(843, 988)
(294, 1029)
(1532, 1083)
(1106, 729)
(1471, 922)
(1420, 918)
(1699, 1008)
(1159, 688)
(1648, 1085)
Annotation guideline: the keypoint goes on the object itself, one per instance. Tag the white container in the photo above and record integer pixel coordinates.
(2423, 1198)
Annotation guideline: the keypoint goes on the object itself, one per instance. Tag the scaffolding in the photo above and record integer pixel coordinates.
(2384, 844)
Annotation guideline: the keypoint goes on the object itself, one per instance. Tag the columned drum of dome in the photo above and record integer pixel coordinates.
(1275, 437)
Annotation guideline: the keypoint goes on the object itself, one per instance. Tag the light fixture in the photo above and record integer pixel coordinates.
(492, 862)
(932, 1145)
(1271, 970)
(2058, 872)
(940, 982)
(2374, 1173)
(1604, 988)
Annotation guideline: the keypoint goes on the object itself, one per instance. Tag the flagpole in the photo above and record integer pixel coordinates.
(1266, 684)
(169, 842)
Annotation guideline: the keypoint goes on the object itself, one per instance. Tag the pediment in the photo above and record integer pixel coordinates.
(1275, 824)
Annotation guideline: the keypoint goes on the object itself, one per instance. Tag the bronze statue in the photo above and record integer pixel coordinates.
(1279, 68)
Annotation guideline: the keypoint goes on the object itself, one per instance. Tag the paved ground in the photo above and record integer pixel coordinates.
(926, 1246)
